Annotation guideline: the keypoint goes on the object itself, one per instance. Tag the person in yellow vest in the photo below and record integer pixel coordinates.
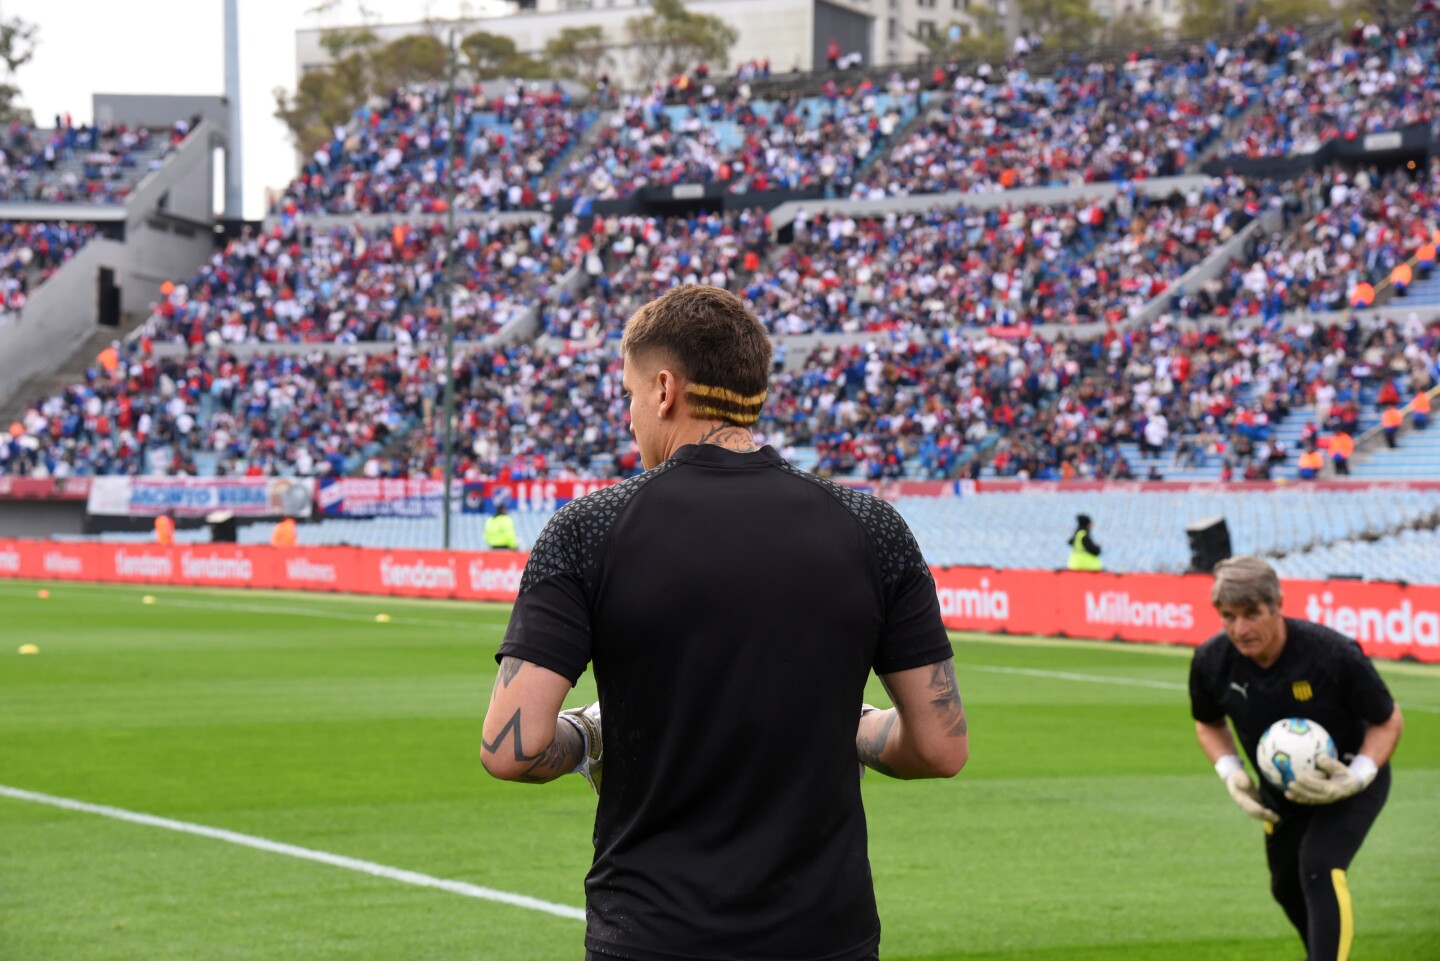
(1420, 410)
(1312, 461)
(500, 530)
(285, 533)
(1084, 552)
(1390, 422)
(1342, 448)
(165, 530)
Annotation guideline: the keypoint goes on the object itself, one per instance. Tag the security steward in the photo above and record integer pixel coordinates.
(500, 530)
(1084, 552)
(1262, 668)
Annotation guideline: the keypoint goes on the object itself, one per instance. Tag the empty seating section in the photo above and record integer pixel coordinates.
(1146, 531)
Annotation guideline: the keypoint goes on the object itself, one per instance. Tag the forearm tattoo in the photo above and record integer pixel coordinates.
(730, 437)
(562, 754)
(945, 699)
(873, 737)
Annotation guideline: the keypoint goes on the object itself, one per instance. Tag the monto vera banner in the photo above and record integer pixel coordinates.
(198, 496)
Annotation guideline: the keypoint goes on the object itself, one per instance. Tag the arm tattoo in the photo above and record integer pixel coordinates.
(559, 758)
(945, 698)
(731, 437)
(511, 725)
(509, 667)
(869, 745)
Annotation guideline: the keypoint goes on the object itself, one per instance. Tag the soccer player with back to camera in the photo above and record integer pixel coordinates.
(733, 608)
(1265, 667)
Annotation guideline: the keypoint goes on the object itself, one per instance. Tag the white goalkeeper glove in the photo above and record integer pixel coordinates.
(1339, 783)
(865, 709)
(587, 721)
(1242, 789)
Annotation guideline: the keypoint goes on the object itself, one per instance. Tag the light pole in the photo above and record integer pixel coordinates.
(448, 292)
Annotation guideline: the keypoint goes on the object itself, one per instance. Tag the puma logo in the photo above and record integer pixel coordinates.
(1236, 685)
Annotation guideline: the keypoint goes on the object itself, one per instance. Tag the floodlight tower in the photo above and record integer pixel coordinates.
(234, 194)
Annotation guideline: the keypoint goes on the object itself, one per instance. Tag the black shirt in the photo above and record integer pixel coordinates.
(1321, 674)
(733, 607)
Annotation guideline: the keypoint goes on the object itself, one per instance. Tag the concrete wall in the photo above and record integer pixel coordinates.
(41, 519)
(59, 316)
(159, 110)
(160, 244)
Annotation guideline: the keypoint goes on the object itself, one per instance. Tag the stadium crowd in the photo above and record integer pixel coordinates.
(350, 283)
(792, 143)
(392, 158)
(270, 414)
(1378, 76)
(1001, 128)
(79, 163)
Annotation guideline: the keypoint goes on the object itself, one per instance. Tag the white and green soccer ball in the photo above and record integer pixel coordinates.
(1289, 748)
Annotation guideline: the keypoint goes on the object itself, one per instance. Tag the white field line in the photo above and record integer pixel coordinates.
(305, 854)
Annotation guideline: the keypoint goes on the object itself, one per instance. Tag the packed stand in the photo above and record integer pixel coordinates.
(1366, 224)
(630, 260)
(1377, 77)
(80, 164)
(296, 283)
(1034, 263)
(793, 143)
(1001, 128)
(219, 414)
(393, 158)
(941, 406)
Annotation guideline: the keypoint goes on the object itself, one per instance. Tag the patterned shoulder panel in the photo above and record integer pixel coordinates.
(896, 550)
(572, 540)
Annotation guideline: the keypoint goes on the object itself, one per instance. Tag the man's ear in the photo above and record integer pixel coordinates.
(670, 390)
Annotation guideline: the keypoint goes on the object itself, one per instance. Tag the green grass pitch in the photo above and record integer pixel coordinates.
(1087, 825)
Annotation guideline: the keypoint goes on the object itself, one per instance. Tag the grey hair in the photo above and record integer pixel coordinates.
(1245, 582)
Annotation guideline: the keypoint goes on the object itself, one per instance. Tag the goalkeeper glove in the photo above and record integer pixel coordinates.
(587, 721)
(1339, 783)
(865, 709)
(1242, 789)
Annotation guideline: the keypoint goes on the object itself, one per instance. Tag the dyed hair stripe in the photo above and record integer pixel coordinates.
(722, 403)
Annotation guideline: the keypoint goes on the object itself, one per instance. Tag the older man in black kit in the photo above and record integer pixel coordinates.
(1262, 668)
(733, 608)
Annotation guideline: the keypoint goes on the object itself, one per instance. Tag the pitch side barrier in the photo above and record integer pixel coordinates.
(1391, 621)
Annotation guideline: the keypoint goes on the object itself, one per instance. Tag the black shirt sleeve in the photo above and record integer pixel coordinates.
(1090, 545)
(550, 623)
(1366, 694)
(1203, 667)
(914, 634)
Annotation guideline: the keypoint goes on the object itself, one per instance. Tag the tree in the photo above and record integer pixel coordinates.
(17, 46)
(581, 53)
(1064, 24)
(671, 39)
(487, 53)
(417, 58)
(985, 40)
(1133, 30)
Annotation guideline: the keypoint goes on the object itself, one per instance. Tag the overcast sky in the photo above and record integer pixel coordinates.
(177, 47)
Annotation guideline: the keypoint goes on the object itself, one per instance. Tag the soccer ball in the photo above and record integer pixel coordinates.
(1289, 748)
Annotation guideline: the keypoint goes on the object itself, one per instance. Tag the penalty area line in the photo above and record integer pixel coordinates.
(305, 854)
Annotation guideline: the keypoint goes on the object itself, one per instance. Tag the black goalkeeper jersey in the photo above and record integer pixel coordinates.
(1321, 675)
(733, 607)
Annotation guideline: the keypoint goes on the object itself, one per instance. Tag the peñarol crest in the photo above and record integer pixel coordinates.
(1302, 690)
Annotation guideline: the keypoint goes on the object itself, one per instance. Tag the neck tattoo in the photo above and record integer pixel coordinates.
(730, 437)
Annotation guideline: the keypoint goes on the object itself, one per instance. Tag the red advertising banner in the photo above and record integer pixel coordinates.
(1391, 621)
(46, 488)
